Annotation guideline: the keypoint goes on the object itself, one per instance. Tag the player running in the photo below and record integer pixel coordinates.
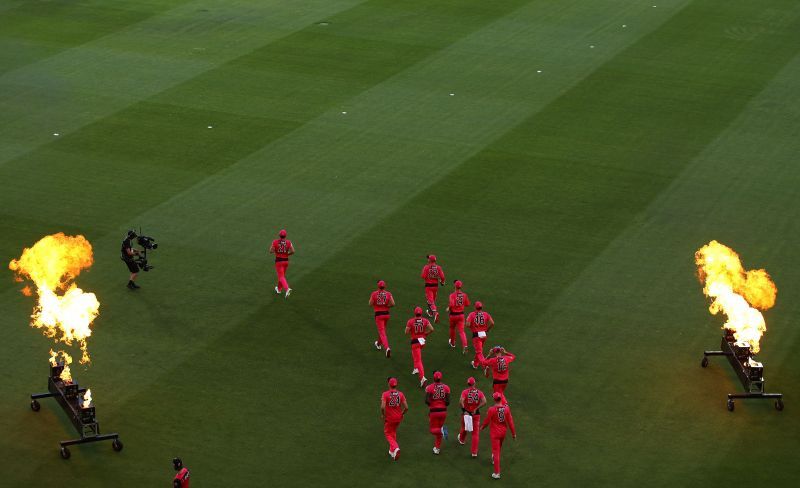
(500, 419)
(282, 248)
(381, 301)
(480, 323)
(433, 274)
(393, 408)
(418, 328)
(499, 362)
(458, 300)
(437, 397)
(472, 399)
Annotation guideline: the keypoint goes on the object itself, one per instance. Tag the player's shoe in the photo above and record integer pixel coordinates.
(388, 352)
(474, 366)
(277, 290)
(458, 438)
(474, 455)
(288, 292)
(423, 381)
(496, 476)
(452, 344)
(395, 454)
(444, 432)
(436, 317)
(486, 371)
(377, 346)
(464, 350)
(428, 312)
(436, 450)
(414, 371)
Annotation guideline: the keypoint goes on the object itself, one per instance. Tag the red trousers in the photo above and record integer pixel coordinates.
(390, 432)
(477, 343)
(380, 322)
(457, 325)
(476, 432)
(497, 445)
(436, 422)
(416, 356)
(501, 388)
(280, 268)
(430, 296)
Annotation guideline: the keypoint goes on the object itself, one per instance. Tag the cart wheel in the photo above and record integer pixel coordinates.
(65, 453)
(730, 405)
(704, 362)
(116, 444)
(35, 406)
(779, 404)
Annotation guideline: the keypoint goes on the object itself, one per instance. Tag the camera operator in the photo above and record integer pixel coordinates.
(129, 256)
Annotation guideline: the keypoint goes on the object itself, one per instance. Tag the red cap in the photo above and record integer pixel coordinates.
(458, 284)
(478, 305)
(392, 382)
(282, 233)
(497, 396)
(471, 381)
(432, 258)
(381, 284)
(497, 349)
(437, 375)
(418, 311)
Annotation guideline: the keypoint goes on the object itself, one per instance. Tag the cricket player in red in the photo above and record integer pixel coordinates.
(458, 301)
(418, 328)
(472, 399)
(393, 408)
(437, 397)
(381, 301)
(499, 362)
(500, 419)
(181, 479)
(282, 248)
(480, 323)
(433, 275)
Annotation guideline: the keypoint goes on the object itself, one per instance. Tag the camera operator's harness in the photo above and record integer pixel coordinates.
(140, 259)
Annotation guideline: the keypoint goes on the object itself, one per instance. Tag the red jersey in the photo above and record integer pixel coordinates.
(181, 479)
(478, 321)
(499, 418)
(472, 397)
(417, 327)
(393, 400)
(432, 273)
(500, 365)
(281, 248)
(438, 393)
(380, 300)
(458, 300)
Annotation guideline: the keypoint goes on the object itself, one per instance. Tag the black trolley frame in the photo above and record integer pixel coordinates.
(69, 395)
(752, 378)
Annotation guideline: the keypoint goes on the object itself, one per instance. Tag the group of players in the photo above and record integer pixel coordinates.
(437, 394)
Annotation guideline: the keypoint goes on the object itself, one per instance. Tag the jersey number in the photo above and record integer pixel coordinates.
(473, 397)
(433, 272)
(281, 248)
(438, 393)
(459, 299)
(419, 327)
(479, 319)
(394, 400)
(501, 414)
(502, 365)
(380, 299)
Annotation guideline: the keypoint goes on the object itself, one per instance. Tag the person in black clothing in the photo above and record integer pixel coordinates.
(128, 255)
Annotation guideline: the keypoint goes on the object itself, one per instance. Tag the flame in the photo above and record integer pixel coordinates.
(87, 398)
(66, 359)
(739, 294)
(64, 312)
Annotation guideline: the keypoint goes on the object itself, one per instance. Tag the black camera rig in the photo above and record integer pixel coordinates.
(147, 243)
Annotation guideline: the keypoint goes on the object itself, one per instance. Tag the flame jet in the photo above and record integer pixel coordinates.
(737, 293)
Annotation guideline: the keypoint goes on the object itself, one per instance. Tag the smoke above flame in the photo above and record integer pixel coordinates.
(63, 311)
(737, 293)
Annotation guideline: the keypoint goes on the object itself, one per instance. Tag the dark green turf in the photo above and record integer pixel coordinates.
(569, 201)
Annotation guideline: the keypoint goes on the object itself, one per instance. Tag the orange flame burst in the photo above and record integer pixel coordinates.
(64, 312)
(87, 398)
(65, 375)
(739, 294)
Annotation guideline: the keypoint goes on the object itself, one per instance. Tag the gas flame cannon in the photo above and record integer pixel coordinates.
(78, 408)
(749, 371)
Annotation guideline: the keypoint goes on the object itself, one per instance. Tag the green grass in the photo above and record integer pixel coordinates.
(567, 185)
